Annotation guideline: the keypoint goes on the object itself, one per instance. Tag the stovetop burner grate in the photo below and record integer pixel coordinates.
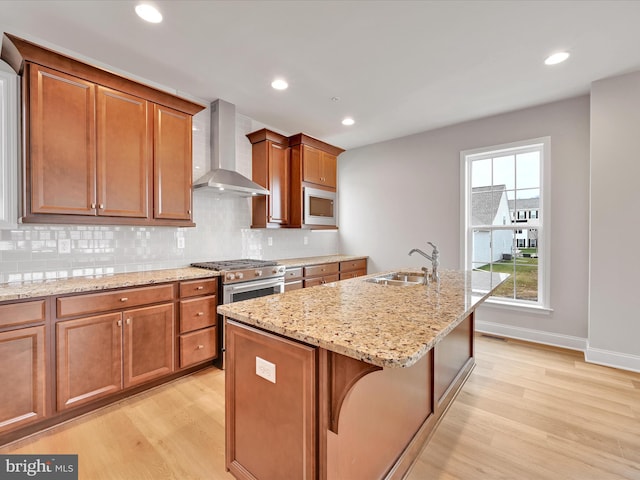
(235, 264)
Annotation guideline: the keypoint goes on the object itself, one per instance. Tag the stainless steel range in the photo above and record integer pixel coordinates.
(244, 279)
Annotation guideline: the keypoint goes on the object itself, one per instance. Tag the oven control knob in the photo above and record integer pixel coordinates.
(239, 275)
(258, 273)
(276, 270)
(231, 276)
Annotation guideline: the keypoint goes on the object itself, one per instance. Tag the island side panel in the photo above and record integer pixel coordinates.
(378, 420)
(453, 362)
(270, 427)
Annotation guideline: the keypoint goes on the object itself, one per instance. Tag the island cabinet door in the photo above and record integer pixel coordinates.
(271, 406)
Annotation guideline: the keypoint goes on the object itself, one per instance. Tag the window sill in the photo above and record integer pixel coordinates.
(518, 307)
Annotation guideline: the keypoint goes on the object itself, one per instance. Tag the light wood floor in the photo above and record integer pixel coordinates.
(526, 412)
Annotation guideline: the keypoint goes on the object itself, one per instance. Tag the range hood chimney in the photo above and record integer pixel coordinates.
(219, 180)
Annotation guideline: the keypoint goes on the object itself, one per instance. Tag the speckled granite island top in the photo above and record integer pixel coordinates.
(14, 291)
(387, 326)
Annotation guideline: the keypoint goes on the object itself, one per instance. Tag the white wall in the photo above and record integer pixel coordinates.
(614, 326)
(399, 194)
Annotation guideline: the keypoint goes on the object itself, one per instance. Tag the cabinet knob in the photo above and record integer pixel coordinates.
(200, 314)
(102, 205)
(93, 205)
(189, 212)
(128, 321)
(124, 299)
(200, 288)
(200, 347)
(119, 323)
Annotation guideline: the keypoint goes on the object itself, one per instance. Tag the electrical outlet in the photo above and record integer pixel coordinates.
(266, 370)
(305, 240)
(64, 245)
(270, 241)
(180, 242)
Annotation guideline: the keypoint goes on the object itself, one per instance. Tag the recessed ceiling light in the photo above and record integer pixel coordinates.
(149, 13)
(556, 58)
(348, 121)
(279, 84)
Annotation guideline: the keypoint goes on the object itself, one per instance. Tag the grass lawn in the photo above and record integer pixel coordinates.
(524, 273)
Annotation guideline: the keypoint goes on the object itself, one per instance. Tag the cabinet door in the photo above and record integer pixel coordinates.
(329, 170)
(88, 359)
(61, 149)
(271, 406)
(22, 376)
(148, 343)
(278, 184)
(172, 164)
(311, 165)
(124, 154)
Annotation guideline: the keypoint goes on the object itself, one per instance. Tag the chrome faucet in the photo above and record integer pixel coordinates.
(435, 261)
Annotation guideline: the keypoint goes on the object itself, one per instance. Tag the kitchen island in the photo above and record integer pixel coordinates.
(347, 380)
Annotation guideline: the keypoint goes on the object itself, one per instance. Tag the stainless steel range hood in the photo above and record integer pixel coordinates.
(220, 180)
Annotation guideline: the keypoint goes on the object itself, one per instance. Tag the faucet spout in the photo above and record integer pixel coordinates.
(434, 258)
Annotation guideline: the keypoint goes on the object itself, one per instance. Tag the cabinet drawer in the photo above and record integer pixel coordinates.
(114, 300)
(198, 346)
(324, 269)
(16, 314)
(295, 285)
(195, 288)
(312, 282)
(353, 274)
(293, 274)
(198, 313)
(353, 265)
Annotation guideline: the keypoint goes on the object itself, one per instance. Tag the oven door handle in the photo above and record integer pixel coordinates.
(254, 285)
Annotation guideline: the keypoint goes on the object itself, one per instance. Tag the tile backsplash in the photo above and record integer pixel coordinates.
(42, 252)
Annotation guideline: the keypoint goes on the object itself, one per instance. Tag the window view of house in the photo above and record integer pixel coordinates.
(504, 221)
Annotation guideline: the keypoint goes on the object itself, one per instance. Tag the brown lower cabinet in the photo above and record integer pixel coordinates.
(65, 355)
(319, 274)
(100, 355)
(22, 376)
(271, 423)
(298, 411)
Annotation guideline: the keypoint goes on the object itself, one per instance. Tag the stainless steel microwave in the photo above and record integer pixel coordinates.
(320, 207)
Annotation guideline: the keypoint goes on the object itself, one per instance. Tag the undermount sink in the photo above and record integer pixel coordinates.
(398, 279)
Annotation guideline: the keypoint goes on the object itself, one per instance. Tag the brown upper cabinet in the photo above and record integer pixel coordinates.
(285, 165)
(100, 148)
(319, 167)
(272, 170)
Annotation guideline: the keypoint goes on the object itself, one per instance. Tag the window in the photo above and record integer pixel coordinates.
(508, 181)
(8, 146)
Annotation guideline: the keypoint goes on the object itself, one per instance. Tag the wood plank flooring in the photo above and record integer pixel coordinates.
(526, 412)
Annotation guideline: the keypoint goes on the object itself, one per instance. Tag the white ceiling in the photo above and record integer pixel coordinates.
(398, 67)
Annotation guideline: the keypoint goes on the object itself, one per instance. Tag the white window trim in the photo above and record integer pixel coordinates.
(9, 141)
(544, 231)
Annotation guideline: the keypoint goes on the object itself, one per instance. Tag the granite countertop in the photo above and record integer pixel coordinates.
(387, 326)
(306, 261)
(41, 288)
(14, 291)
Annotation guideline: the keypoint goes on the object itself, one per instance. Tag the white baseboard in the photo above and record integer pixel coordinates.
(598, 356)
(530, 335)
(612, 359)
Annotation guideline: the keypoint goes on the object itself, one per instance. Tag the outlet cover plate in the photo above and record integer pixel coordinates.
(265, 369)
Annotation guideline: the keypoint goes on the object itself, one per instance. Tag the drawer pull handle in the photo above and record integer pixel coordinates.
(200, 347)
(200, 288)
(124, 299)
(199, 314)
